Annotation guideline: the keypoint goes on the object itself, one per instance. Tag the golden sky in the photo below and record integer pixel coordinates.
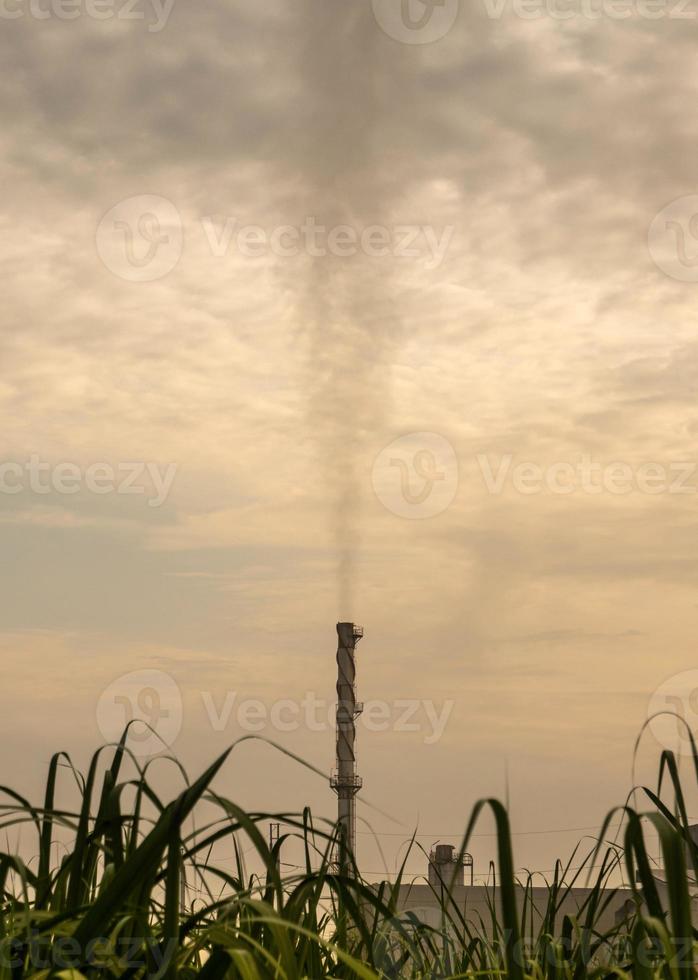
(346, 415)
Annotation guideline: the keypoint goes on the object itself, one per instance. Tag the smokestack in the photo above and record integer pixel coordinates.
(446, 866)
(344, 780)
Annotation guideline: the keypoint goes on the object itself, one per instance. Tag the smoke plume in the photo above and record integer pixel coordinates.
(345, 301)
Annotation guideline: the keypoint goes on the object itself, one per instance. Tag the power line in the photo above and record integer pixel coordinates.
(581, 867)
(459, 833)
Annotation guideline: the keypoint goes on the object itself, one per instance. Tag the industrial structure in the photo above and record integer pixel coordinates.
(447, 866)
(476, 904)
(344, 780)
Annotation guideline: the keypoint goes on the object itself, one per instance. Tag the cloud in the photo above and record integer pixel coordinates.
(273, 383)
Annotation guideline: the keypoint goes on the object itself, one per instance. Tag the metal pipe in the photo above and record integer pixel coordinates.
(344, 780)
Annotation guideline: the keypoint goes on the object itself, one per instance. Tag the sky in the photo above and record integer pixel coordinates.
(358, 311)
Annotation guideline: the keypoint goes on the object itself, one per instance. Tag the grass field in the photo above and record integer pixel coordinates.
(127, 886)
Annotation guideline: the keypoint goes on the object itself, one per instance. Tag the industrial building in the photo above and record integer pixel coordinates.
(446, 871)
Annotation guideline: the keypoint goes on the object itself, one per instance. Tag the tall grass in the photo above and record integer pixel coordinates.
(125, 885)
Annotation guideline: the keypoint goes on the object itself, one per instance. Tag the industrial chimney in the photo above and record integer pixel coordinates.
(344, 780)
(446, 866)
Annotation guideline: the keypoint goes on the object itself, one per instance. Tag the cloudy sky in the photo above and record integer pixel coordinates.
(388, 314)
